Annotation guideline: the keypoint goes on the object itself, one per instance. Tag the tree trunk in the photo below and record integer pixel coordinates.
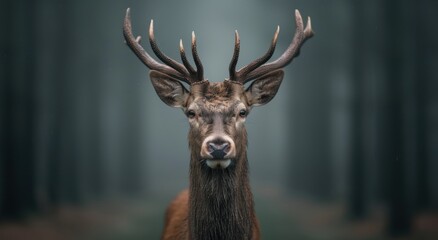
(395, 154)
(18, 100)
(356, 183)
(422, 96)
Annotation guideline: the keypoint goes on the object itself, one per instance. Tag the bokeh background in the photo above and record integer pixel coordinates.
(347, 149)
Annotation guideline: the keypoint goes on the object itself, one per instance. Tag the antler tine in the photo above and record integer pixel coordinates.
(308, 30)
(199, 67)
(241, 74)
(300, 37)
(134, 44)
(235, 58)
(163, 57)
(184, 59)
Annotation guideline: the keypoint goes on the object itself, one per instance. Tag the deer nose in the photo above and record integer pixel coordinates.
(218, 148)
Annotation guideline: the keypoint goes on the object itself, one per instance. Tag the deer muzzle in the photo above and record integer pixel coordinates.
(218, 151)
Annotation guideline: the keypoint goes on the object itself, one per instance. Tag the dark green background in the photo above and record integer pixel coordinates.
(347, 149)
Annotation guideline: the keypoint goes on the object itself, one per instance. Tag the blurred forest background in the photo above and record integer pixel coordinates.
(348, 149)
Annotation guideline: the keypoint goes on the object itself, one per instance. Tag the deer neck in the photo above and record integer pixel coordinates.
(220, 203)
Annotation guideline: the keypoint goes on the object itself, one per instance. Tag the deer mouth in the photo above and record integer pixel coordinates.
(218, 163)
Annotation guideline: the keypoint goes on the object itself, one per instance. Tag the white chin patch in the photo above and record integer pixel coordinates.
(218, 164)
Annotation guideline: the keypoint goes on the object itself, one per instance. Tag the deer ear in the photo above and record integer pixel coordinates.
(264, 88)
(169, 89)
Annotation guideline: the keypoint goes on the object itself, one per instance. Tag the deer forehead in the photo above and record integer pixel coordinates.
(222, 90)
(216, 106)
(219, 97)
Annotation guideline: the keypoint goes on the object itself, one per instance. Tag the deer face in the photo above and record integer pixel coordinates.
(216, 113)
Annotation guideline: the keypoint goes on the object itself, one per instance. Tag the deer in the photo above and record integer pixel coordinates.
(218, 203)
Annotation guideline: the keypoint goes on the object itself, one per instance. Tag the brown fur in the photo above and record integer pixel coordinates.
(219, 202)
(176, 218)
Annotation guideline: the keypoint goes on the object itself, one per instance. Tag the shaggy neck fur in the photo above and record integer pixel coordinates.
(220, 203)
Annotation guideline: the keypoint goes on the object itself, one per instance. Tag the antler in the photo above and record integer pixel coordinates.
(258, 68)
(185, 72)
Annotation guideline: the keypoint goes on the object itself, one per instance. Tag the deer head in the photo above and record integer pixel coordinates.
(219, 202)
(216, 111)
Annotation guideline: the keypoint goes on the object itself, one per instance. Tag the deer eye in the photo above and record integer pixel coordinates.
(191, 114)
(243, 113)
